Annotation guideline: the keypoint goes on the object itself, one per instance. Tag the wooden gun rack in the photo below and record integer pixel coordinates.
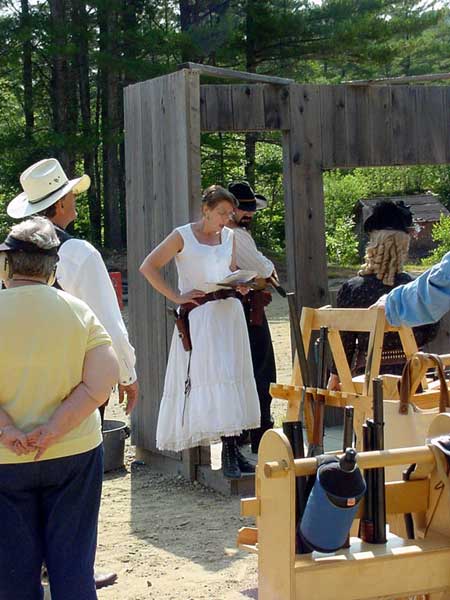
(399, 568)
(355, 391)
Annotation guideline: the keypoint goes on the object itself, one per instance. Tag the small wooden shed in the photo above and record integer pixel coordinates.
(427, 209)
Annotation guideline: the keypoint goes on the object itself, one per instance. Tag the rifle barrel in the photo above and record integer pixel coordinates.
(379, 478)
(348, 428)
(366, 525)
(298, 339)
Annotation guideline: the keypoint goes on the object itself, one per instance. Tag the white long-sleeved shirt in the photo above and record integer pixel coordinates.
(248, 256)
(82, 273)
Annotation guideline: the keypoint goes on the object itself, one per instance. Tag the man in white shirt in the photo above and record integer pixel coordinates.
(80, 270)
(248, 257)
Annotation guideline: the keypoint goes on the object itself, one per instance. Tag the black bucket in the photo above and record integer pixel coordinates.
(114, 435)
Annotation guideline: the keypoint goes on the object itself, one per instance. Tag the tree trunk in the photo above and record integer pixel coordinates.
(81, 38)
(63, 86)
(27, 69)
(130, 11)
(111, 93)
(185, 15)
(250, 157)
(250, 63)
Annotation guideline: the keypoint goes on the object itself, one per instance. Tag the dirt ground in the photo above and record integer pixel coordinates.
(170, 539)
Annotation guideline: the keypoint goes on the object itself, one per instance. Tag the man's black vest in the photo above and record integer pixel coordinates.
(63, 237)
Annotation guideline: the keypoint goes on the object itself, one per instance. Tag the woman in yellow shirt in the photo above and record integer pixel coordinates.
(56, 367)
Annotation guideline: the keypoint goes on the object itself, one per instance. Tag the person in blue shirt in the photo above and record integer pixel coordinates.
(424, 300)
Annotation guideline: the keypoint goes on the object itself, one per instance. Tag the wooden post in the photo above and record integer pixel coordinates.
(276, 521)
(162, 141)
(305, 212)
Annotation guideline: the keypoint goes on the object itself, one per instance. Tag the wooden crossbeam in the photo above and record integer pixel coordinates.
(232, 74)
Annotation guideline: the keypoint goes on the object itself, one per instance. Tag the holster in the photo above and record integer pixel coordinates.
(255, 302)
(182, 325)
(182, 315)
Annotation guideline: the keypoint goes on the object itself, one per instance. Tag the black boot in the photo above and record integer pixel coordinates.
(245, 465)
(256, 435)
(243, 438)
(230, 465)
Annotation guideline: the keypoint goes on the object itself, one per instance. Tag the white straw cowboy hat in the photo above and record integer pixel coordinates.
(44, 183)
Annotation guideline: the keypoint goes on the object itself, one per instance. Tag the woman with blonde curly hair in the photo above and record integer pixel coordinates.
(389, 228)
(386, 253)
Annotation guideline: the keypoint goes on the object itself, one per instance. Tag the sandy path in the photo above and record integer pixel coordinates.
(170, 539)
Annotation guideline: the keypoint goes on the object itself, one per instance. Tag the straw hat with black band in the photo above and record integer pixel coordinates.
(43, 184)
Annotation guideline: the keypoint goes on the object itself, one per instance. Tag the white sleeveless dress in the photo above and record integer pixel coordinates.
(223, 399)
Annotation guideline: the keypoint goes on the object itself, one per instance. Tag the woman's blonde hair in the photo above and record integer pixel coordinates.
(386, 254)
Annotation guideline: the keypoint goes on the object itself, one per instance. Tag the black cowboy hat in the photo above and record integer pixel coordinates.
(246, 197)
(389, 215)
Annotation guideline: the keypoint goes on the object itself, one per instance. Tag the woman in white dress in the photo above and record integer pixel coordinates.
(220, 398)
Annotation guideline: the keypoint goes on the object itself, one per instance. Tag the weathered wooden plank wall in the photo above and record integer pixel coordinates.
(138, 297)
(334, 123)
(360, 125)
(162, 151)
(257, 107)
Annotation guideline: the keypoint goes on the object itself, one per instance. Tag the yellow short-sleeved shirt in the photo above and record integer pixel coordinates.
(44, 336)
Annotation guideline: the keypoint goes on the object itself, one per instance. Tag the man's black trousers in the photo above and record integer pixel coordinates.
(264, 371)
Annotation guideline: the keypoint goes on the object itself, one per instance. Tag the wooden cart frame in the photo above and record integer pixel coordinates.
(364, 571)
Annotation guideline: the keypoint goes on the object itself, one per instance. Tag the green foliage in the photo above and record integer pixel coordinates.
(223, 161)
(326, 42)
(441, 235)
(342, 244)
(268, 228)
(343, 189)
(398, 181)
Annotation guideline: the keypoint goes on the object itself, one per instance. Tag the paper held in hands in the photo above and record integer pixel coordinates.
(239, 277)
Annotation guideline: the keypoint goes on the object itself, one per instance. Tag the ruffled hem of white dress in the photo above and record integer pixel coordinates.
(210, 412)
(202, 439)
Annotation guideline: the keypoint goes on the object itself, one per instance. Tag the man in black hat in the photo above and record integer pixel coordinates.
(249, 257)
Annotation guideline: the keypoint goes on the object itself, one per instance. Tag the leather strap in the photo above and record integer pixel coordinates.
(405, 384)
(218, 295)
